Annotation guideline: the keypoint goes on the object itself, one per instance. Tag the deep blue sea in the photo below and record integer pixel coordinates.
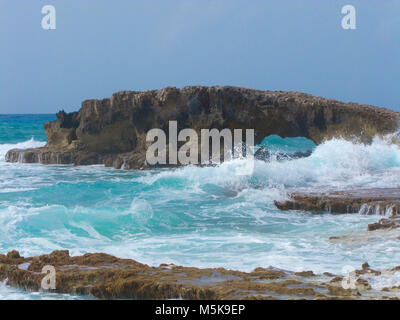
(192, 216)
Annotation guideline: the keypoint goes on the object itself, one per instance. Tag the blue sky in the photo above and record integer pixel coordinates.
(101, 47)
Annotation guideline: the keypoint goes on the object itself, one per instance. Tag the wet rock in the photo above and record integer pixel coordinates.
(338, 291)
(335, 238)
(362, 284)
(385, 201)
(107, 277)
(264, 154)
(305, 274)
(367, 270)
(300, 154)
(328, 274)
(13, 255)
(337, 279)
(113, 131)
(384, 224)
(269, 273)
(391, 289)
(365, 266)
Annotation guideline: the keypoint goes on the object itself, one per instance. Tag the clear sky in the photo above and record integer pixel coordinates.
(101, 46)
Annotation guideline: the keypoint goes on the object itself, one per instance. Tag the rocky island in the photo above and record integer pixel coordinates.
(113, 131)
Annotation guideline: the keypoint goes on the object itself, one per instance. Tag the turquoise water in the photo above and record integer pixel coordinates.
(276, 144)
(203, 217)
(20, 128)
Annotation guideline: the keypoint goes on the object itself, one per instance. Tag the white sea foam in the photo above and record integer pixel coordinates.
(336, 163)
(4, 148)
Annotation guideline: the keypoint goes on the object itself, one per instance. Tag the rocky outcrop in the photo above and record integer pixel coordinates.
(385, 201)
(113, 131)
(106, 277)
(385, 224)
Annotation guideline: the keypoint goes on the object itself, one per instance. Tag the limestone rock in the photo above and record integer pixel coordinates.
(113, 131)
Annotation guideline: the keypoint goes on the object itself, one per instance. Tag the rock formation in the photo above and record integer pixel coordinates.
(264, 154)
(385, 224)
(106, 277)
(113, 131)
(383, 201)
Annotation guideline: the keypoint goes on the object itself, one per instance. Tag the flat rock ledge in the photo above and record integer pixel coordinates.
(106, 277)
(113, 131)
(378, 201)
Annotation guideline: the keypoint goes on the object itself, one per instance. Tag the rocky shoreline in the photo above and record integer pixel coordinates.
(113, 131)
(379, 201)
(106, 277)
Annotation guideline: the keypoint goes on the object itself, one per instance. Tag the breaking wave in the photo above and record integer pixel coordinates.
(4, 148)
(336, 163)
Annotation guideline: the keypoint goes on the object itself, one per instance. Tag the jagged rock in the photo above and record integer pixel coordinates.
(384, 224)
(107, 277)
(13, 255)
(264, 154)
(113, 131)
(300, 154)
(365, 266)
(305, 273)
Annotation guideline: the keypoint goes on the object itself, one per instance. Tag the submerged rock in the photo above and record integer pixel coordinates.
(107, 277)
(264, 154)
(113, 131)
(384, 224)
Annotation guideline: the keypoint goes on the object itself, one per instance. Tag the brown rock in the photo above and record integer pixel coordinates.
(13, 255)
(113, 131)
(305, 274)
(365, 266)
(108, 277)
(384, 224)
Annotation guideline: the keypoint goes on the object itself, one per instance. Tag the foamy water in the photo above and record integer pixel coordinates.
(203, 217)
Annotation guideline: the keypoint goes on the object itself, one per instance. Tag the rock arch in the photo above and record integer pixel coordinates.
(113, 131)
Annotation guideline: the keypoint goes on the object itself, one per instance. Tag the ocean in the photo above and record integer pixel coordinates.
(193, 216)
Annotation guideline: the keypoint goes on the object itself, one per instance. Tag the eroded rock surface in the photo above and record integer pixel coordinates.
(113, 131)
(107, 277)
(385, 224)
(385, 201)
